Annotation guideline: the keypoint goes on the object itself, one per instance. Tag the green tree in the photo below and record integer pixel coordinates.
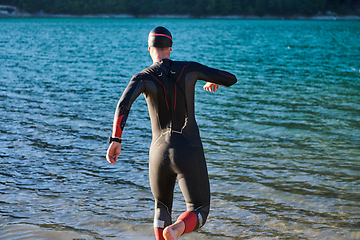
(193, 7)
(225, 7)
(275, 7)
(261, 7)
(199, 9)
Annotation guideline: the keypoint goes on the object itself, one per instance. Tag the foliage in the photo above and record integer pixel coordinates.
(196, 8)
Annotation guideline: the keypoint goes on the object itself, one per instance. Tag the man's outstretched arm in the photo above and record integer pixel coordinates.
(213, 75)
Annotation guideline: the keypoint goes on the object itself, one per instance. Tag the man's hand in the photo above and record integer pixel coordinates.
(113, 152)
(211, 87)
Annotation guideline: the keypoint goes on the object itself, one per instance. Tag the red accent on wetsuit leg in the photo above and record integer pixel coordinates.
(190, 220)
(117, 132)
(159, 233)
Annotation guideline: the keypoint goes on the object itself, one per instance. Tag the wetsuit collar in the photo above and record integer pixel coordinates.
(166, 64)
(164, 60)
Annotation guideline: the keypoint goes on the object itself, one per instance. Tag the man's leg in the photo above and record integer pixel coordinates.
(162, 182)
(194, 184)
(162, 219)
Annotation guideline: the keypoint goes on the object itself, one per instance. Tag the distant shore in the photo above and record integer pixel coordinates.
(13, 12)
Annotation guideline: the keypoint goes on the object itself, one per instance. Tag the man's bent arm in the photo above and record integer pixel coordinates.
(132, 91)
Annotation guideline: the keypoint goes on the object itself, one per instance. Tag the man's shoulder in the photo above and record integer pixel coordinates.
(139, 74)
(145, 72)
(152, 69)
(149, 69)
(187, 64)
(157, 67)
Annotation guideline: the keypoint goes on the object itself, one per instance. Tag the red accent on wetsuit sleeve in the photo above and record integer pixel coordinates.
(159, 233)
(190, 220)
(117, 132)
(226, 75)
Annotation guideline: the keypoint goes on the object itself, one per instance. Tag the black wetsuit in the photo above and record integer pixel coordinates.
(176, 150)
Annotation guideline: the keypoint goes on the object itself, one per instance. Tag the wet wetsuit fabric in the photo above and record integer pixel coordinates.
(176, 150)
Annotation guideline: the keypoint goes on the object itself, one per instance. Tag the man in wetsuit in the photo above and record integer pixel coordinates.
(176, 150)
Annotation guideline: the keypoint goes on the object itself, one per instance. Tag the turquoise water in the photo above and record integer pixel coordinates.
(282, 145)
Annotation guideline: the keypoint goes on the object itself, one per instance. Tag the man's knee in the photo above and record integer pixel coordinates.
(202, 215)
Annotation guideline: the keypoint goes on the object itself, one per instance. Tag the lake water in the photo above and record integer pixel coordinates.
(282, 145)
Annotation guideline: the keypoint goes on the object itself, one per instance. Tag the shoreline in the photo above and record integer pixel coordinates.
(13, 12)
(233, 17)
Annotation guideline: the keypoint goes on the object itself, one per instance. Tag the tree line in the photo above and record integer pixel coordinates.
(195, 8)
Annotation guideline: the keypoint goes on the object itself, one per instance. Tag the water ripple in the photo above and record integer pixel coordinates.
(282, 145)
